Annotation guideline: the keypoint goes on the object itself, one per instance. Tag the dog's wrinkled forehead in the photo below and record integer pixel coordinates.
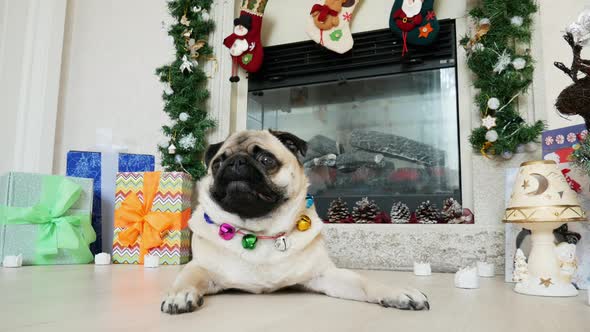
(246, 142)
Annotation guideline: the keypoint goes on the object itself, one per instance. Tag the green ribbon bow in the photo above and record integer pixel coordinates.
(57, 230)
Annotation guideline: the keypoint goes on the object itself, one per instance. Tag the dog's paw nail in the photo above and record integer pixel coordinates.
(182, 302)
(408, 300)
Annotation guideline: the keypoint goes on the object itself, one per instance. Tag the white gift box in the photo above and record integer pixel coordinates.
(422, 269)
(13, 261)
(467, 278)
(485, 269)
(151, 261)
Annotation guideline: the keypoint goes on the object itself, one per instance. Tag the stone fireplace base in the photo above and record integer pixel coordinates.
(397, 247)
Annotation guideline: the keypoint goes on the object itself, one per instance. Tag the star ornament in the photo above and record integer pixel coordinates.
(425, 31)
(489, 122)
(525, 184)
(545, 282)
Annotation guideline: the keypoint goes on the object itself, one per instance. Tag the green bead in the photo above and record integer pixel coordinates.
(249, 241)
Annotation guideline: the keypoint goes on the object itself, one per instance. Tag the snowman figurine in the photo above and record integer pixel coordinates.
(566, 254)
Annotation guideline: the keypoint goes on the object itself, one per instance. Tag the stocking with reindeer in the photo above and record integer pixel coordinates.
(328, 24)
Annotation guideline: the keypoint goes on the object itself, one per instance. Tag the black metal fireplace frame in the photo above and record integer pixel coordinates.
(375, 53)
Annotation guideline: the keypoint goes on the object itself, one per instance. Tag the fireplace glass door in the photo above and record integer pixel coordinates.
(372, 142)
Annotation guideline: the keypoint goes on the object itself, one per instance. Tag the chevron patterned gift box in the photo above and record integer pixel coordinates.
(151, 217)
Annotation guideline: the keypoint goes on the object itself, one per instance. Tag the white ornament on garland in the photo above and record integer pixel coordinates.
(520, 148)
(183, 116)
(172, 149)
(503, 61)
(187, 142)
(492, 136)
(489, 122)
(196, 9)
(186, 65)
(205, 15)
(484, 22)
(519, 63)
(478, 47)
(178, 159)
(168, 89)
(516, 21)
(531, 146)
(507, 155)
(164, 144)
(493, 103)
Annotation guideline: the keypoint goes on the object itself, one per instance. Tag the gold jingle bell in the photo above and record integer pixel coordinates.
(304, 223)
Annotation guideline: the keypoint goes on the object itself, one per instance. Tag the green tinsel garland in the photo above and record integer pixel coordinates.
(186, 95)
(509, 27)
(581, 155)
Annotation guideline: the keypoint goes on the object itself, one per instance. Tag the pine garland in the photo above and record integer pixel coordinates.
(581, 156)
(186, 91)
(501, 27)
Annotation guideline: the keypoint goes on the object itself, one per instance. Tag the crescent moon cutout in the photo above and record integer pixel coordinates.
(543, 184)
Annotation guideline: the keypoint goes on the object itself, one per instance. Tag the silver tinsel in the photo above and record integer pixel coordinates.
(503, 61)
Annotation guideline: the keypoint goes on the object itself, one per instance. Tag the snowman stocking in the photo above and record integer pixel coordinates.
(414, 21)
(244, 44)
(328, 24)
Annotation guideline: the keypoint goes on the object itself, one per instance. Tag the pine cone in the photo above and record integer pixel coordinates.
(365, 211)
(452, 211)
(338, 211)
(427, 213)
(400, 213)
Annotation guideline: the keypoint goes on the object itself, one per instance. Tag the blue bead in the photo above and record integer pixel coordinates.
(308, 201)
(207, 219)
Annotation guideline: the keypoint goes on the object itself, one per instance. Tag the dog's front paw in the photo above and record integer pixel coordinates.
(186, 300)
(406, 299)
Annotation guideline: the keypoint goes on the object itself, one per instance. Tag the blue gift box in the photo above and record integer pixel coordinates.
(88, 164)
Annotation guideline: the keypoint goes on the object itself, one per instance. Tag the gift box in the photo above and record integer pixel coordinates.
(102, 168)
(152, 210)
(559, 144)
(46, 218)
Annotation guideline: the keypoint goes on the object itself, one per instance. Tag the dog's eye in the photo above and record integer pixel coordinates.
(266, 160)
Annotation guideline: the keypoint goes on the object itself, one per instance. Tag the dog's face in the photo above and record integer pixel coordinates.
(253, 173)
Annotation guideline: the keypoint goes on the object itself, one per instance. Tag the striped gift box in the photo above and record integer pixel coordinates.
(169, 196)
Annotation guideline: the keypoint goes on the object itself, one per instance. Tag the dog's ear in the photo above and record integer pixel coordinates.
(211, 152)
(292, 142)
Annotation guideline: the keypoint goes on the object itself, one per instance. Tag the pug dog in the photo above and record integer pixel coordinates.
(255, 230)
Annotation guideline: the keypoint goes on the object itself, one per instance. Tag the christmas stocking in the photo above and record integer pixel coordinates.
(328, 24)
(244, 44)
(414, 21)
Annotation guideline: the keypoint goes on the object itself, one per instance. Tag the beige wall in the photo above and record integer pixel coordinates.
(555, 16)
(111, 50)
(10, 72)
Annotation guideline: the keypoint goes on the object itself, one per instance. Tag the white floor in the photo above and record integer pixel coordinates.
(127, 298)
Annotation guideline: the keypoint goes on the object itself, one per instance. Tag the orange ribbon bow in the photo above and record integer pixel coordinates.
(139, 219)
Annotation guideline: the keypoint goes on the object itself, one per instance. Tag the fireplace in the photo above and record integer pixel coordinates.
(381, 129)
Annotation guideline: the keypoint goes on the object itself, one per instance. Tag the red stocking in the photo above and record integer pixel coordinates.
(244, 44)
